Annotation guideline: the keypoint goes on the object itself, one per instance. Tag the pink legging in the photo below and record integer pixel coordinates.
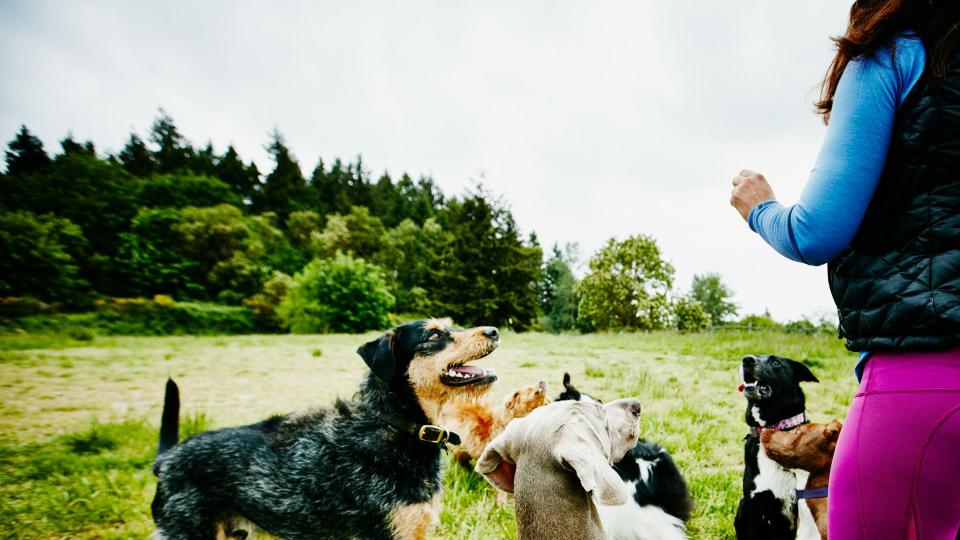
(896, 471)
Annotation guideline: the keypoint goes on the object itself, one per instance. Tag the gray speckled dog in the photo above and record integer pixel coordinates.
(557, 461)
(368, 468)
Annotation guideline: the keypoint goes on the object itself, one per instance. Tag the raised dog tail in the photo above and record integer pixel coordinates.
(170, 419)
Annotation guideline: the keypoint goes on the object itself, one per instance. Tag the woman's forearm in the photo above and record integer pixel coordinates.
(826, 218)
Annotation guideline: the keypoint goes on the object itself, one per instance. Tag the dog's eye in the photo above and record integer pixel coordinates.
(434, 336)
(775, 362)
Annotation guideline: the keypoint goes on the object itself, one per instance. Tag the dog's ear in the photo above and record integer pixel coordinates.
(801, 372)
(513, 400)
(379, 357)
(832, 430)
(595, 474)
(496, 463)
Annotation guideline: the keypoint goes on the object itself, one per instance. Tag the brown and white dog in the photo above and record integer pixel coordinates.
(808, 447)
(479, 422)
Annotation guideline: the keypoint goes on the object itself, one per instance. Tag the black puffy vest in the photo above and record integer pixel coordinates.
(897, 286)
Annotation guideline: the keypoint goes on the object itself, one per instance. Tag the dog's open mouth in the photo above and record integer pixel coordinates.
(753, 388)
(466, 375)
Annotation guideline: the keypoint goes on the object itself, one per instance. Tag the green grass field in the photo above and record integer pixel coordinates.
(78, 419)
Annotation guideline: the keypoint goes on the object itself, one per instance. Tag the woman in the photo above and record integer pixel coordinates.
(882, 207)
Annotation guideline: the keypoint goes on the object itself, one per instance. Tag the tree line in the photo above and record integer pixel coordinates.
(164, 217)
(333, 251)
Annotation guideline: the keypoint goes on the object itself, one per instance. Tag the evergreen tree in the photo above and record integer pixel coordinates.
(136, 158)
(173, 153)
(418, 201)
(285, 188)
(358, 186)
(384, 200)
(97, 195)
(487, 274)
(25, 154)
(559, 297)
(243, 179)
(256, 180)
(71, 146)
(203, 161)
(321, 191)
(332, 188)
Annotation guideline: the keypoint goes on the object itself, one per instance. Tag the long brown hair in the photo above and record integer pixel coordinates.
(875, 23)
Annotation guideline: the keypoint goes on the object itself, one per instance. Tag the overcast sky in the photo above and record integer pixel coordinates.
(594, 119)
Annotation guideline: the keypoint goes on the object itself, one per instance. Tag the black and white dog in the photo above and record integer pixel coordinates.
(571, 393)
(659, 504)
(771, 384)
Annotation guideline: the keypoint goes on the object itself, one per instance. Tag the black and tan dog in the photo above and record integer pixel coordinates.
(368, 468)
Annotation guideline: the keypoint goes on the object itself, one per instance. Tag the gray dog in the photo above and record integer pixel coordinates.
(557, 459)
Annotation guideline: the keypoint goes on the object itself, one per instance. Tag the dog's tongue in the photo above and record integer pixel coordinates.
(741, 387)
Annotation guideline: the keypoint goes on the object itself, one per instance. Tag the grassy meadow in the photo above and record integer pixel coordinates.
(79, 418)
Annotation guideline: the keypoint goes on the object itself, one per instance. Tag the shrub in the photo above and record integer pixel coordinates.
(341, 294)
(265, 303)
(690, 316)
(95, 440)
(12, 306)
(762, 320)
(81, 333)
(145, 317)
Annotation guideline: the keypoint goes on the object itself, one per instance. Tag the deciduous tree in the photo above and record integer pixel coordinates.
(627, 287)
(41, 257)
(714, 295)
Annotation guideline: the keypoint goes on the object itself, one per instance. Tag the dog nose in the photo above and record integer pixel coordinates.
(492, 333)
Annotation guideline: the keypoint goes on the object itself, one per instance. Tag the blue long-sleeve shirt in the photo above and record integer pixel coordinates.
(826, 218)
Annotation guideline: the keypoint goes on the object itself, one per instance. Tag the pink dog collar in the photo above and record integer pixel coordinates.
(784, 425)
